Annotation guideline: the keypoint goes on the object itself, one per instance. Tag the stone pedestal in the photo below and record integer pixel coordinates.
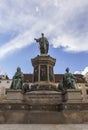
(73, 95)
(43, 107)
(43, 70)
(14, 95)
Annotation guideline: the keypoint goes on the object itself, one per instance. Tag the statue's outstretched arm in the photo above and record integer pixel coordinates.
(37, 40)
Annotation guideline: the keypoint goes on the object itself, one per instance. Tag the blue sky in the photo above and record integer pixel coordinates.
(64, 22)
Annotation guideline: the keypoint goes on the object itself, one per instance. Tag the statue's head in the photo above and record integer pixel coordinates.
(42, 34)
(67, 69)
(18, 69)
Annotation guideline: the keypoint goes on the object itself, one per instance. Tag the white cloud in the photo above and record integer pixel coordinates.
(15, 44)
(85, 70)
(71, 43)
(82, 72)
(77, 72)
(65, 22)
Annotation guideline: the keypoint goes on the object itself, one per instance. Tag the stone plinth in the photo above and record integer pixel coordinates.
(43, 98)
(14, 95)
(73, 95)
(43, 68)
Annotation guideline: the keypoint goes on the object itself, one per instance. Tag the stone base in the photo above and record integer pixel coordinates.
(73, 95)
(14, 95)
(43, 107)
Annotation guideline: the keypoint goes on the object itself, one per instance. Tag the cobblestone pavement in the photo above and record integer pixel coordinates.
(43, 127)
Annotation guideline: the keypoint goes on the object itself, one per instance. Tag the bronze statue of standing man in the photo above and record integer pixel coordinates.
(44, 44)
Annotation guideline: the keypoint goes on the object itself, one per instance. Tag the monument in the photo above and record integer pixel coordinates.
(44, 102)
(43, 76)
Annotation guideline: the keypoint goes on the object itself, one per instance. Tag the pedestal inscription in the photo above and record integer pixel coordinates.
(43, 98)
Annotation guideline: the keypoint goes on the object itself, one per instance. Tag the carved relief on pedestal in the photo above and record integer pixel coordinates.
(35, 73)
(51, 75)
(43, 72)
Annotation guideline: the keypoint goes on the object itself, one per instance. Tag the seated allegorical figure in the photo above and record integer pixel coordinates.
(68, 80)
(17, 81)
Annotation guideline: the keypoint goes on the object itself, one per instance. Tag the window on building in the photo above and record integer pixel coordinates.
(79, 85)
(86, 84)
(7, 81)
(87, 91)
(81, 91)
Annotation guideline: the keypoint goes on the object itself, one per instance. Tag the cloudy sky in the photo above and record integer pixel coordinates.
(64, 23)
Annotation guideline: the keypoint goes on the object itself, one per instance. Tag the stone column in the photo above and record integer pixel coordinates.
(48, 73)
(39, 74)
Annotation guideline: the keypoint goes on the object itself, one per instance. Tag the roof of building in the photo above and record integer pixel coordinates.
(58, 78)
(4, 77)
(28, 77)
(80, 78)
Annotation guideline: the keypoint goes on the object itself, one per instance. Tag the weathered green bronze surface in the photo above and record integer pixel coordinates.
(44, 44)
